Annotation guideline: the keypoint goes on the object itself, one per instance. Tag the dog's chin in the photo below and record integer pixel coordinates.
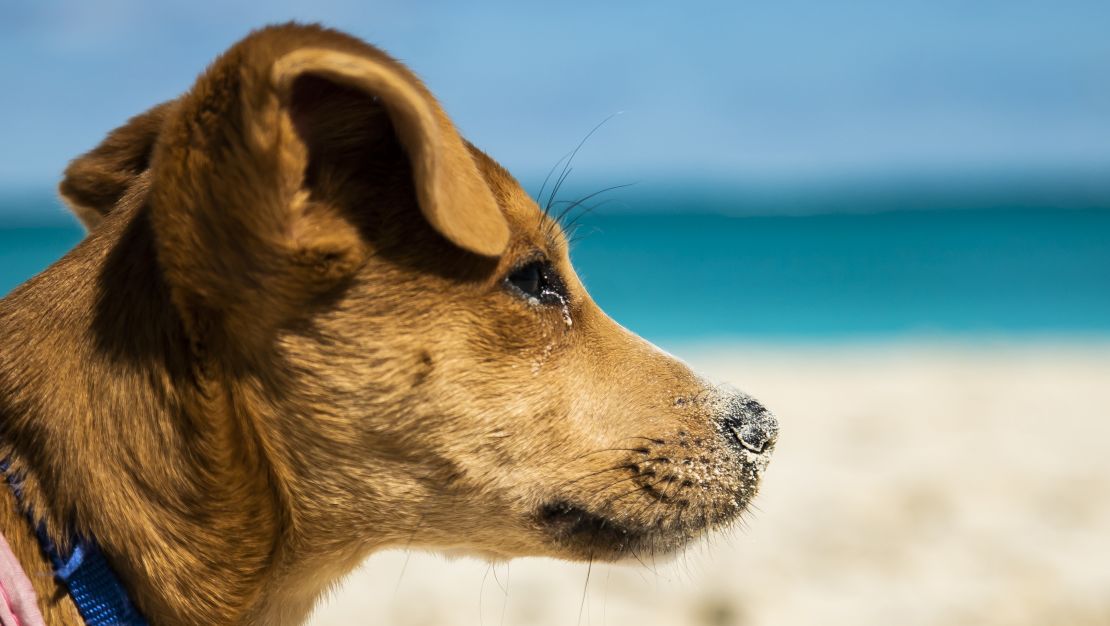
(578, 533)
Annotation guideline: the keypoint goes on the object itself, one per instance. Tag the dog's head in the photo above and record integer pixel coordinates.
(398, 324)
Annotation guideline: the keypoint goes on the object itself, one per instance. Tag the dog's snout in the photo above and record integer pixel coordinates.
(750, 425)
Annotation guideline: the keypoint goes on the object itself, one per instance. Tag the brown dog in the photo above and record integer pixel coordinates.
(310, 321)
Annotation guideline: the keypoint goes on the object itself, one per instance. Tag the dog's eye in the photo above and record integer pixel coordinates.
(538, 280)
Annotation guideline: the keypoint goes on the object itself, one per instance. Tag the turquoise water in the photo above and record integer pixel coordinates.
(897, 273)
(695, 276)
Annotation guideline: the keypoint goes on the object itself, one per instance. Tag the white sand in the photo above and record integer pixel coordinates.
(911, 485)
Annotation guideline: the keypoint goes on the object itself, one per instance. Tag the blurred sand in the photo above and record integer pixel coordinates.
(911, 485)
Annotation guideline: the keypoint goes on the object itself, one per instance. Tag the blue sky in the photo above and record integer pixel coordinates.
(783, 90)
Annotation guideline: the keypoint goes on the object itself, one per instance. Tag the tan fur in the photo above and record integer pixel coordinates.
(288, 341)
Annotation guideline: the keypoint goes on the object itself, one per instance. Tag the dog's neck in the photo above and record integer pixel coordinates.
(117, 435)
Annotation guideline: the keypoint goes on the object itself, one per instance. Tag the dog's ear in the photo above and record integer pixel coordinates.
(452, 194)
(246, 169)
(95, 181)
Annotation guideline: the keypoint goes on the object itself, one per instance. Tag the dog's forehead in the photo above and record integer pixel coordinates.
(531, 226)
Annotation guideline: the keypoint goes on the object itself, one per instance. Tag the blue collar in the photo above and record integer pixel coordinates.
(100, 597)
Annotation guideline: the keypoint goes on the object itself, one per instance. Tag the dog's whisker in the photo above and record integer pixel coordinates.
(404, 568)
(657, 459)
(576, 234)
(646, 508)
(497, 580)
(636, 556)
(555, 190)
(482, 594)
(637, 474)
(539, 196)
(583, 199)
(612, 484)
(570, 228)
(605, 595)
(585, 588)
(408, 553)
(655, 440)
(611, 501)
(566, 168)
(573, 224)
(582, 456)
(505, 603)
(592, 474)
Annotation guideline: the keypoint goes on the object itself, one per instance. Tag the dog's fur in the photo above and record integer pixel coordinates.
(288, 340)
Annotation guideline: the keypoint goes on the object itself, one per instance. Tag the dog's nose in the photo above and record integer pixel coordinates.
(750, 425)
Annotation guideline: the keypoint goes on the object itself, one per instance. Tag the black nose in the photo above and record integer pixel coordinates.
(750, 425)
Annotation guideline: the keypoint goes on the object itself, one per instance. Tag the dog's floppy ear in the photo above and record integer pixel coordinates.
(95, 181)
(241, 206)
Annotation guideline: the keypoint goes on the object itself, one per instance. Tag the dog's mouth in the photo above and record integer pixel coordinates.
(676, 497)
(589, 534)
(575, 527)
(578, 531)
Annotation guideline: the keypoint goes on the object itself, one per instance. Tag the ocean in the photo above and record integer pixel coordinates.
(703, 276)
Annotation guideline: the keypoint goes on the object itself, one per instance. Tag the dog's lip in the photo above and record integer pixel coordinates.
(585, 534)
(573, 523)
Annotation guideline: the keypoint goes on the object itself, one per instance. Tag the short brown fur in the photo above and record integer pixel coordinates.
(288, 341)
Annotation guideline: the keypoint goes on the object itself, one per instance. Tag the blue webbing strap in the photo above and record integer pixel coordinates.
(100, 597)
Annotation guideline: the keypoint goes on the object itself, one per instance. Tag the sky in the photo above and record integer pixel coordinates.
(784, 90)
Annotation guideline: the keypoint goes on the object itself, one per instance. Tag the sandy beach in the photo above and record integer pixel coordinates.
(913, 484)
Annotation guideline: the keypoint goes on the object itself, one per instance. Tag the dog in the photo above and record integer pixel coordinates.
(310, 321)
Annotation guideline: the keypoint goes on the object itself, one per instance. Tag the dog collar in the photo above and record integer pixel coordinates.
(96, 591)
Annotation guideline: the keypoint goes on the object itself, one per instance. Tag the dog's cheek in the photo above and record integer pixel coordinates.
(498, 413)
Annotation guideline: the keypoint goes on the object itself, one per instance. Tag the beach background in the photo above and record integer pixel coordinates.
(890, 222)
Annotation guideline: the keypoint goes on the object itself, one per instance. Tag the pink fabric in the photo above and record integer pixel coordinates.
(18, 602)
